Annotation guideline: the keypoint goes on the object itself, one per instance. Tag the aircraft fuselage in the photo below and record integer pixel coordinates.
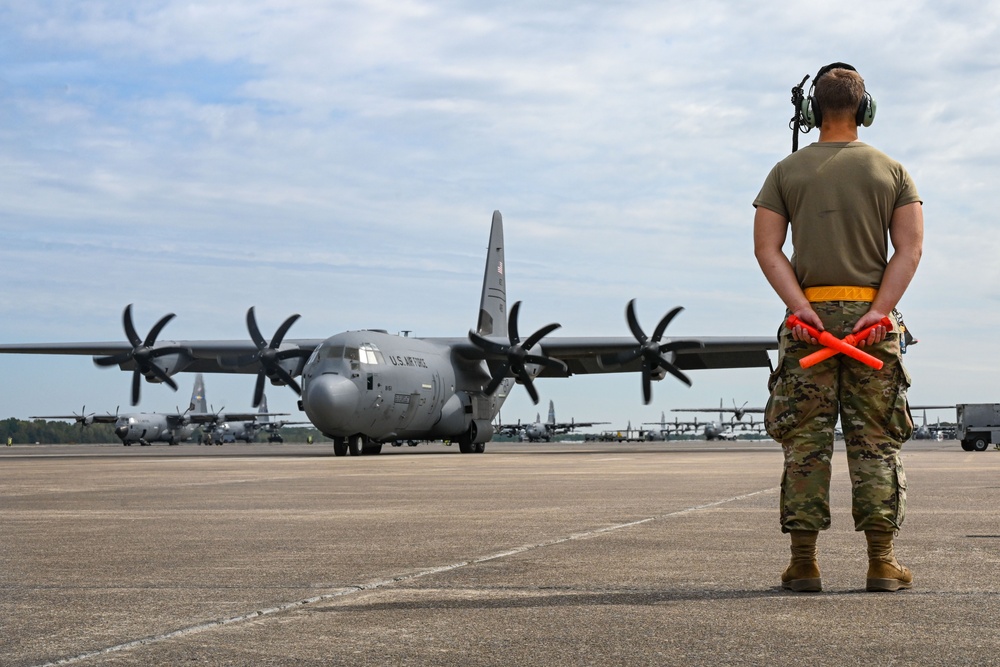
(388, 387)
(143, 427)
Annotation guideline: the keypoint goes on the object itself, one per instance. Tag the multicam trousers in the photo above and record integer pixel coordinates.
(802, 412)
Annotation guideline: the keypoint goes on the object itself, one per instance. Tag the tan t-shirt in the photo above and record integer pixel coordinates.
(839, 198)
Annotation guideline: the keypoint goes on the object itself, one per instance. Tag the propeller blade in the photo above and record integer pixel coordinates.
(512, 323)
(487, 345)
(113, 360)
(676, 372)
(130, 333)
(633, 322)
(288, 379)
(662, 326)
(258, 390)
(254, 330)
(136, 381)
(548, 362)
(530, 386)
(538, 335)
(154, 333)
(279, 335)
(499, 377)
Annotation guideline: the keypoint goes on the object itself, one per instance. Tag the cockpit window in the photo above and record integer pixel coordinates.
(332, 352)
(369, 354)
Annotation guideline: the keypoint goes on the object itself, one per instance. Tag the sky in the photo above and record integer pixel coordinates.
(342, 160)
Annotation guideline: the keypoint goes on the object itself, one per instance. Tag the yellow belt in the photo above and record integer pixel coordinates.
(840, 293)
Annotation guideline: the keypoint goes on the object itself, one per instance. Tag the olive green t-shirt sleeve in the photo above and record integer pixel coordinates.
(770, 193)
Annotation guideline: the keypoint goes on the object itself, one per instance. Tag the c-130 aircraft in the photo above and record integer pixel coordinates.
(365, 388)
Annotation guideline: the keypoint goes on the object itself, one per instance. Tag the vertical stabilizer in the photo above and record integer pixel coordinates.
(198, 405)
(263, 419)
(493, 303)
(552, 412)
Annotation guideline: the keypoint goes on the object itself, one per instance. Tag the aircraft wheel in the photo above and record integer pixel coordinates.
(357, 445)
(479, 447)
(372, 449)
(339, 447)
(980, 444)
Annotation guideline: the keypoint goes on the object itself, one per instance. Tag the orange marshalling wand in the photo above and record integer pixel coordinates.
(850, 339)
(833, 343)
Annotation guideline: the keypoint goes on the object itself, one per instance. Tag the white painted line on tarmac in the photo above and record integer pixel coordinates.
(372, 585)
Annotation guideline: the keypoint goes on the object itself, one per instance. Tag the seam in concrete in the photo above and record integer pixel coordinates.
(381, 583)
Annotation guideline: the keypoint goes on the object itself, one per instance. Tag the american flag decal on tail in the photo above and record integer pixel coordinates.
(500, 267)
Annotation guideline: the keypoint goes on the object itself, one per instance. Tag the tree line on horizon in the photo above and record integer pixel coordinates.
(42, 431)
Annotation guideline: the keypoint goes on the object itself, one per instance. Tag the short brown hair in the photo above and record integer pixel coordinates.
(839, 92)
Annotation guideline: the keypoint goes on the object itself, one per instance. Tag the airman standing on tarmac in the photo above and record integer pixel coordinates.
(845, 202)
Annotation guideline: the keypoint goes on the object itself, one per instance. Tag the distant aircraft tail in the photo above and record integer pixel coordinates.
(493, 303)
(198, 402)
(552, 412)
(263, 419)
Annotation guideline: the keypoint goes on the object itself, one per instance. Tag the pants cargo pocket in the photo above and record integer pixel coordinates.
(899, 422)
(900, 493)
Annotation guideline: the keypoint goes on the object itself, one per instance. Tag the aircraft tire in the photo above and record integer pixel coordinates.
(967, 445)
(339, 447)
(479, 447)
(356, 444)
(979, 443)
(373, 449)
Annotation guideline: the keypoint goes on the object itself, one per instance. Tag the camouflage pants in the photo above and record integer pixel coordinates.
(802, 412)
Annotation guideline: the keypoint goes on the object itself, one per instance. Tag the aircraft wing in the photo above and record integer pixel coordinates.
(232, 417)
(201, 356)
(566, 427)
(604, 355)
(88, 419)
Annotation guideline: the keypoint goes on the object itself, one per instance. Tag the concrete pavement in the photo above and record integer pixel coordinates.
(548, 554)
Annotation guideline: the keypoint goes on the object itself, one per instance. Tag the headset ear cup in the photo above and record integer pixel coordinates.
(807, 113)
(866, 112)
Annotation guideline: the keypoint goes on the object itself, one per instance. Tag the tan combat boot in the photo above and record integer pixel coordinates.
(884, 571)
(802, 573)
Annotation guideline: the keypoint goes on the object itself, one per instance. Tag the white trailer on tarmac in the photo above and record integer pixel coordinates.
(978, 425)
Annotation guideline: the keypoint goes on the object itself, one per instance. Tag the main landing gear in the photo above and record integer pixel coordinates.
(357, 445)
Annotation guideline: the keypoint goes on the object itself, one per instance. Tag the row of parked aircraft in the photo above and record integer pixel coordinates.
(365, 388)
(219, 427)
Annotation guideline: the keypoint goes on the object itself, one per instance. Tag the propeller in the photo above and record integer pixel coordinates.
(517, 354)
(143, 353)
(270, 357)
(651, 350)
(83, 419)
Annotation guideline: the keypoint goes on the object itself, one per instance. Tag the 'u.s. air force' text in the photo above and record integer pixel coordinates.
(398, 360)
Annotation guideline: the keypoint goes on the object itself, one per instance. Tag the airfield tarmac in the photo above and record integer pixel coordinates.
(541, 554)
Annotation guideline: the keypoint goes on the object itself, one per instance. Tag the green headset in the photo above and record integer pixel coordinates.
(812, 115)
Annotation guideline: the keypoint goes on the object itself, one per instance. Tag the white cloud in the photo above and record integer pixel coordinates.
(342, 160)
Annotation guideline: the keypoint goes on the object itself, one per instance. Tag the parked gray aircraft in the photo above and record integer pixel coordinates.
(720, 430)
(235, 427)
(738, 411)
(540, 431)
(667, 429)
(149, 427)
(364, 388)
(939, 431)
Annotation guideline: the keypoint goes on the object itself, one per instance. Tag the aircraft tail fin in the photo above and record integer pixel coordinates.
(493, 303)
(263, 409)
(552, 412)
(198, 403)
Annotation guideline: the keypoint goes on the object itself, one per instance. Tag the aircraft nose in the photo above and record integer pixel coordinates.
(121, 432)
(331, 401)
